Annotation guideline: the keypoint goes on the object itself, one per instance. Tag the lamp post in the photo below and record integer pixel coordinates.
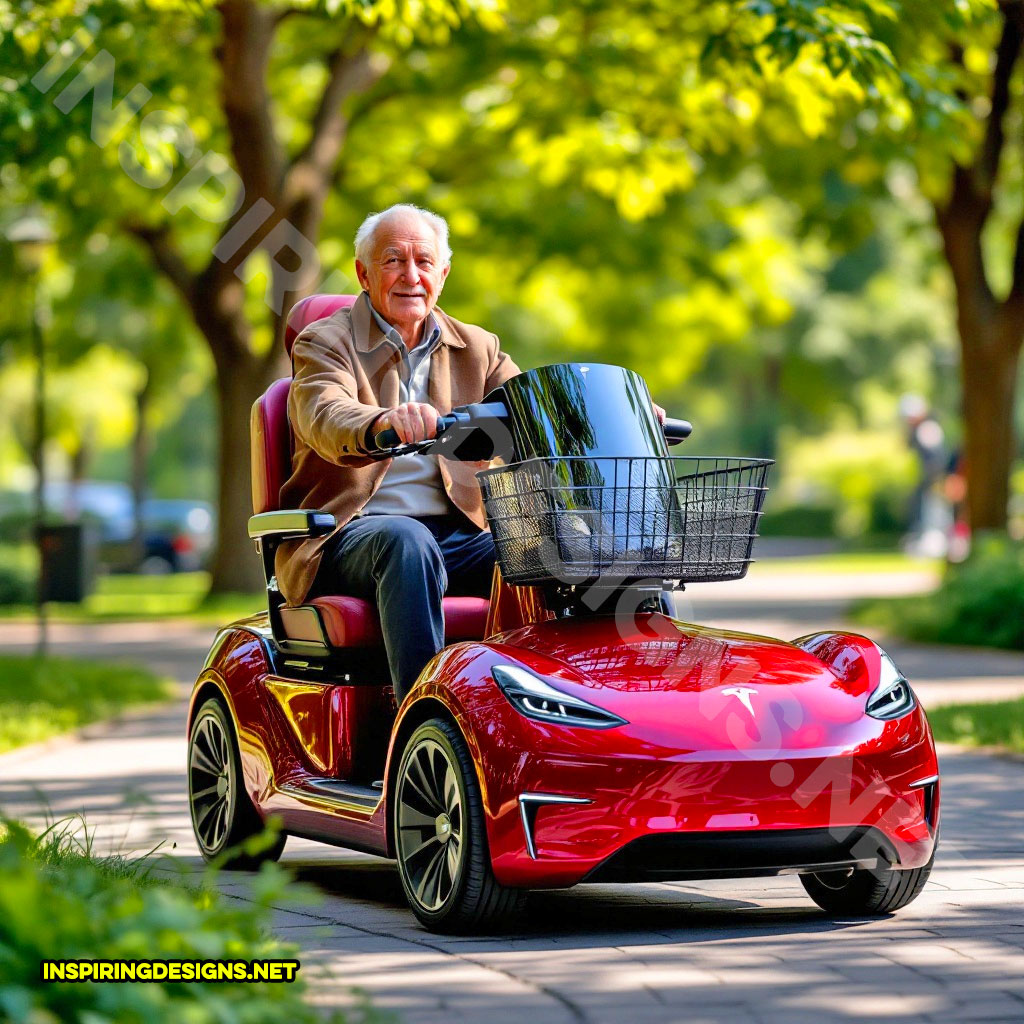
(30, 238)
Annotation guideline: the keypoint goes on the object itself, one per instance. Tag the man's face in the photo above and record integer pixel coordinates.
(406, 272)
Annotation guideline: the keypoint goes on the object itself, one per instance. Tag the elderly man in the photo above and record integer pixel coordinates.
(409, 529)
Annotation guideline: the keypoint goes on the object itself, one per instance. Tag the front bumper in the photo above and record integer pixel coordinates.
(647, 819)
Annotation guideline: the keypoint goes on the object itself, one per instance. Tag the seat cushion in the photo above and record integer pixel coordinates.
(351, 622)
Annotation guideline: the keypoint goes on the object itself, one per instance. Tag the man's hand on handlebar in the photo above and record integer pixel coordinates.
(659, 412)
(413, 421)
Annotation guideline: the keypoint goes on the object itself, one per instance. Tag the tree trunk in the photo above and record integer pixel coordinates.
(989, 382)
(236, 566)
(990, 332)
(295, 190)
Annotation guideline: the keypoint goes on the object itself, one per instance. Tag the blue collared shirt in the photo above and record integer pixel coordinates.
(415, 371)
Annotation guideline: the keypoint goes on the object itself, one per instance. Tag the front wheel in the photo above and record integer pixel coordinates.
(223, 816)
(440, 837)
(859, 892)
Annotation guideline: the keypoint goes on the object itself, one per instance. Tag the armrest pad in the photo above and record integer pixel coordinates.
(291, 523)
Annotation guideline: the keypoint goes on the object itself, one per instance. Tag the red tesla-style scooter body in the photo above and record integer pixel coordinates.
(574, 730)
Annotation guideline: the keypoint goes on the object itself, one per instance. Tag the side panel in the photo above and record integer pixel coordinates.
(238, 666)
(293, 731)
(341, 731)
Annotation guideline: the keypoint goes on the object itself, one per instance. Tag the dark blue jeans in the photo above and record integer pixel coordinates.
(405, 566)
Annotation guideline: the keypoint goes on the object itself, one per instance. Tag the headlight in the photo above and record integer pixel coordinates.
(533, 697)
(892, 698)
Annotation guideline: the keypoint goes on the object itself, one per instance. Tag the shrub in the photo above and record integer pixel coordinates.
(57, 902)
(17, 574)
(798, 521)
(979, 603)
(863, 477)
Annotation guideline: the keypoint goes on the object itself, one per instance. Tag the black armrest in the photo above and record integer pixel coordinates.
(290, 524)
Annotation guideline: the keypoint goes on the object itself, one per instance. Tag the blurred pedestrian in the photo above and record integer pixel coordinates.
(929, 515)
(955, 490)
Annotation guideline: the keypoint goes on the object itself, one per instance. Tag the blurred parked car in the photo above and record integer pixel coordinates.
(177, 532)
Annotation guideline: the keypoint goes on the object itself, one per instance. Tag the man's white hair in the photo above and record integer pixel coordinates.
(368, 229)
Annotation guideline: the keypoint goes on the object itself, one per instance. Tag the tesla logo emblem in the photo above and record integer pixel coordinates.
(584, 370)
(743, 693)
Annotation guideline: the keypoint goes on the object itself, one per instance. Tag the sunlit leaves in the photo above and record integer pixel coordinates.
(643, 178)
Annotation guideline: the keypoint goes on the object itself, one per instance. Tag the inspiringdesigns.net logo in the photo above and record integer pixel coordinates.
(118, 971)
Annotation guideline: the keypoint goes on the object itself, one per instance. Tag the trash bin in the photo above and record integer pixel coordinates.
(68, 569)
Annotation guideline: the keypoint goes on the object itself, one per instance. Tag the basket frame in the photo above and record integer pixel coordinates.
(735, 486)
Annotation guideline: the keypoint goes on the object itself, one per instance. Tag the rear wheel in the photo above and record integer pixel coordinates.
(440, 837)
(859, 892)
(223, 816)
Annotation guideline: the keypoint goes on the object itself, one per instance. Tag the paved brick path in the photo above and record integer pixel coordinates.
(751, 950)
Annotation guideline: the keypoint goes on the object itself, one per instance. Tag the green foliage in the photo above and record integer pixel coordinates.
(40, 698)
(798, 521)
(979, 603)
(724, 196)
(864, 477)
(996, 724)
(57, 902)
(850, 562)
(17, 574)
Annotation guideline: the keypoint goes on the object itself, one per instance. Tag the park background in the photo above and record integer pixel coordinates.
(787, 215)
(784, 215)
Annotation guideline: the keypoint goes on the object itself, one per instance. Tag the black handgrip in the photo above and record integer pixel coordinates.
(388, 438)
(677, 430)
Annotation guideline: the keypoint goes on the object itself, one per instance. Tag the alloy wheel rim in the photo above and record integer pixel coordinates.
(210, 783)
(431, 842)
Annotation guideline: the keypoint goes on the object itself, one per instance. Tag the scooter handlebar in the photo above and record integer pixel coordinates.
(388, 438)
(677, 430)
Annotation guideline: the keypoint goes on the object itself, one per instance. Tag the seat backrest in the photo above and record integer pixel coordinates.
(270, 439)
(310, 309)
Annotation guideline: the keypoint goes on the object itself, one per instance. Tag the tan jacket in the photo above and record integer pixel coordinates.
(344, 376)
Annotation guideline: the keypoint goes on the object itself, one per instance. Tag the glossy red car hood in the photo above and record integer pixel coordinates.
(695, 689)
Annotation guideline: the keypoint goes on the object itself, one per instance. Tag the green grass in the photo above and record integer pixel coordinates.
(846, 562)
(121, 598)
(1000, 724)
(58, 900)
(67, 843)
(40, 698)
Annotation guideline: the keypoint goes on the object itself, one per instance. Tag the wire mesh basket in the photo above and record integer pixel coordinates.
(619, 520)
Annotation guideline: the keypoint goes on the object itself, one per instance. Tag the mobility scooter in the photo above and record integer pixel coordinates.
(572, 730)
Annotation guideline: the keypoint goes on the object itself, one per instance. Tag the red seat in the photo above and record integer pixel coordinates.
(347, 621)
(350, 622)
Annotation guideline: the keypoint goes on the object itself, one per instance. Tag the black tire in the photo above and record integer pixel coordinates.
(223, 816)
(445, 871)
(865, 893)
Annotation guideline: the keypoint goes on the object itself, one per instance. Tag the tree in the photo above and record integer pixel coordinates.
(990, 320)
(629, 102)
(275, 189)
(948, 104)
